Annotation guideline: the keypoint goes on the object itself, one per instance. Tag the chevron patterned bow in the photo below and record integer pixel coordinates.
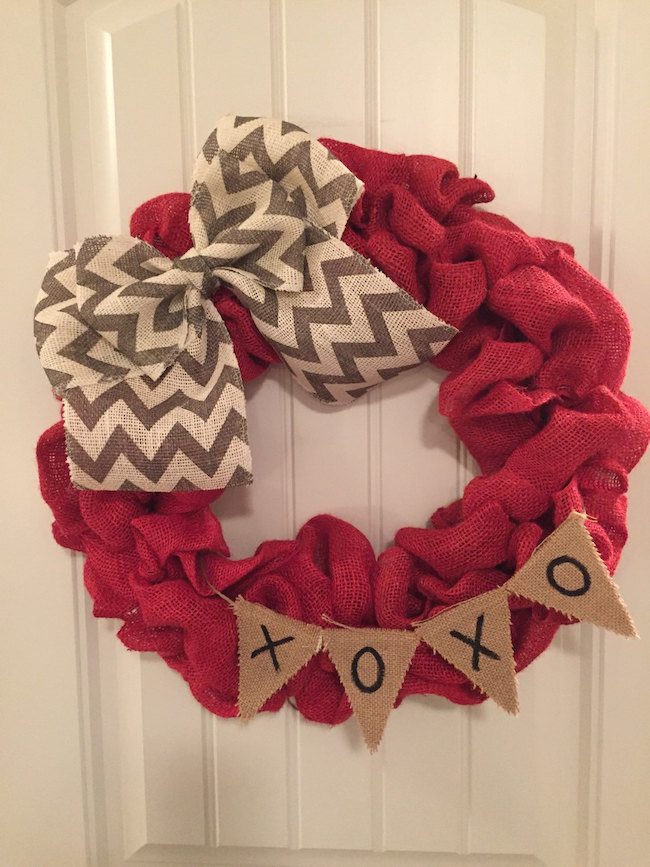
(153, 396)
(269, 205)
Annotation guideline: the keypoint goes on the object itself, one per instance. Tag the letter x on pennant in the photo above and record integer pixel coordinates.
(270, 646)
(264, 668)
(475, 643)
(481, 624)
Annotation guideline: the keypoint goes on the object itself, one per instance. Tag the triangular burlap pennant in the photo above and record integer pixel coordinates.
(566, 573)
(371, 664)
(474, 636)
(272, 648)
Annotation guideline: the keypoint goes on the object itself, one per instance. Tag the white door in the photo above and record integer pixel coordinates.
(107, 759)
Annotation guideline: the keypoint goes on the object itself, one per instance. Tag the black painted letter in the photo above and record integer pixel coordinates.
(566, 591)
(270, 646)
(475, 643)
(381, 670)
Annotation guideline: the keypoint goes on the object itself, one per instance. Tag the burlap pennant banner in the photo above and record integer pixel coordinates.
(567, 573)
(474, 637)
(371, 664)
(272, 648)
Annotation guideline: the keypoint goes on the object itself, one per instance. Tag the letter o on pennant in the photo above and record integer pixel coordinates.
(381, 670)
(567, 591)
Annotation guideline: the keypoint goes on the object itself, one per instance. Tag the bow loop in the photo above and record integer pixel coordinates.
(325, 189)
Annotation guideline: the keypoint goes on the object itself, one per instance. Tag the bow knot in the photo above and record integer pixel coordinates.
(198, 271)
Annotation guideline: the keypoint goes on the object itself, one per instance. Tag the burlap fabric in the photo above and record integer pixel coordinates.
(533, 391)
(272, 648)
(475, 638)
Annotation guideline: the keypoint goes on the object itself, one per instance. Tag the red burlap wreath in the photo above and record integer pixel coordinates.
(533, 391)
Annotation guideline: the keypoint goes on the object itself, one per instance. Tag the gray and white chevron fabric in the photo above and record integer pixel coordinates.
(269, 205)
(153, 397)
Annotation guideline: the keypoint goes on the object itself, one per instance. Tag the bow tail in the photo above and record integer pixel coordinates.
(352, 329)
(166, 410)
(184, 431)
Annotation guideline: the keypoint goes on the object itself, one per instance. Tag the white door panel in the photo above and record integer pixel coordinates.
(110, 761)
